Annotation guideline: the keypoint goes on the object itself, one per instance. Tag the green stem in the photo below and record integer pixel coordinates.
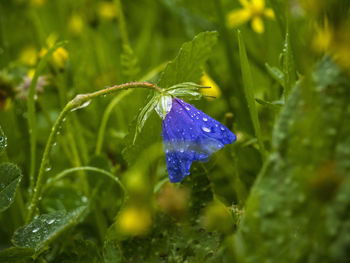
(76, 160)
(31, 112)
(87, 168)
(122, 23)
(115, 101)
(105, 118)
(78, 102)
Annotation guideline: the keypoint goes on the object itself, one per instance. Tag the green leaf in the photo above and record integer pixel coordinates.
(144, 114)
(10, 176)
(187, 90)
(62, 197)
(275, 105)
(248, 87)
(300, 201)
(129, 63)
(150, 135)
(13, 254)
(276, 73)
(44, 229)
(187, 66)
(112, 252)
(3, 140)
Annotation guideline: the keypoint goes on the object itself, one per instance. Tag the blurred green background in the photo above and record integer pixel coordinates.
(280, 74)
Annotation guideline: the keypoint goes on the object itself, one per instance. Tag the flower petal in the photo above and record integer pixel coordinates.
(238, 17)
(244, 3)
(268, 12)
(258, 25)
(258, 4)
(190, 135)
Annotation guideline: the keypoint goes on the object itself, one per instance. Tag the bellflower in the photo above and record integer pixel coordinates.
(188, 134)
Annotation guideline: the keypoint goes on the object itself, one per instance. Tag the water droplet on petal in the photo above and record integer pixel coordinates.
(206, 129)
(205, 119)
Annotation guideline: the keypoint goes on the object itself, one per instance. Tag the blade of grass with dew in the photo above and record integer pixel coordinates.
(288, 65)
(248, 88)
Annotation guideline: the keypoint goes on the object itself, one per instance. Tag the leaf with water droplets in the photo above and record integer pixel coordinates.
(42, 230)
(144, 114)
(3, 140)
(300, 201)
(10, 176)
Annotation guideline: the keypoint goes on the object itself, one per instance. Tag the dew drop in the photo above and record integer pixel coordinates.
(187, 108)
(206, 129)
(222, 128)
(47, 168)
(35, 230)
(51, 221)
(205, 119)
(85, 104)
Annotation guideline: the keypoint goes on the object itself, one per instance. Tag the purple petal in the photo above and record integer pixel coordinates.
(190, 135)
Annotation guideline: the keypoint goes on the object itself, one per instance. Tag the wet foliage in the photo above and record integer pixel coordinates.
(85, 87)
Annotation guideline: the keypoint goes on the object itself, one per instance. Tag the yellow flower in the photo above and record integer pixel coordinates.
(254, 11)
(214, 90)
(341, 47)
(59, 56)
(323, 38)
(107, 10)
(28, 56)
(134, 221)
(75, 24)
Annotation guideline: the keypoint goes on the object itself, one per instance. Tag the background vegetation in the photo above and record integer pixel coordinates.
(85, 192)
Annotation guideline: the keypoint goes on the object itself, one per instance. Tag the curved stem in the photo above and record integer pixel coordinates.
(115, 101)
(105, 118)
(87, 168)
(76, 103)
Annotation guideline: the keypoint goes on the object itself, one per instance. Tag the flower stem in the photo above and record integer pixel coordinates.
(75, 103)
(31, 112)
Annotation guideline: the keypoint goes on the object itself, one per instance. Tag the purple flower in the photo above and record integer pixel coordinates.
(190, 135)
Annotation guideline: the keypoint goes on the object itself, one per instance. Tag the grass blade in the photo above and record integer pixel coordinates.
(248, 88)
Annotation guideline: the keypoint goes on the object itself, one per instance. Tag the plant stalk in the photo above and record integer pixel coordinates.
(78, 102)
